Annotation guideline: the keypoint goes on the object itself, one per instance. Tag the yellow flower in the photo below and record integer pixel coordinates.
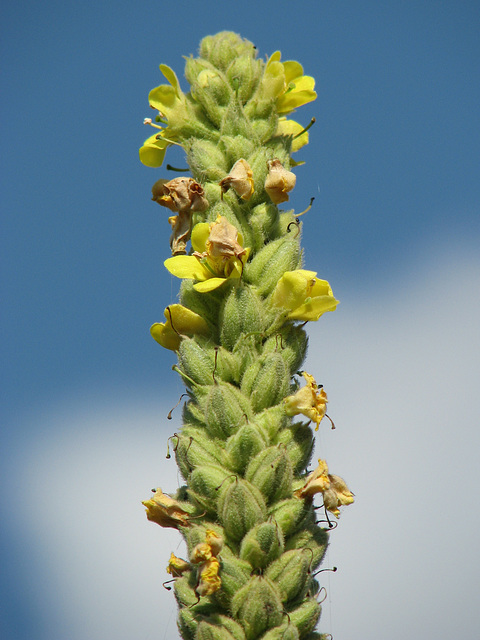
(303, 295)
(310, 401)
(334, 489)
(240, 179)
(204, 551)
(170, 102)
(166, 511)
(209, 579)
(180, 322)
(219, 256)
(279, 181)
(177, 566)
(285, 82)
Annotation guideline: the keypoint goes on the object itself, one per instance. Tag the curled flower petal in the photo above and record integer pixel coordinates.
(303, 295)
(240, 179)
(287, 127)
(333, 488)
(166, 511)
(177, 566)
(209, 579)
(180, 322)
(310, 401)
(279, 181)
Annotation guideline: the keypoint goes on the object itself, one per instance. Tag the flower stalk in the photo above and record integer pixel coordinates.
(246, 510)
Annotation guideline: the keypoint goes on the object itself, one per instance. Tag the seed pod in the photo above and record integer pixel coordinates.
(206, 160)
(257, 606)
(217, 628)
(196, 362)
(241, 313)
(298, 440)
(203, 485)
(262, 544)
(234, 573)
(290, 514)
(305, 617)
(266, 381)
(244, 445)
(286, 631)
(272, 420)
(271, 472)
(225, 410)
(240, 507)
(291, 344)
(187, 623)
(290, 573)
(271, 262)
(311, 538)
(195, 449)
(205, 305)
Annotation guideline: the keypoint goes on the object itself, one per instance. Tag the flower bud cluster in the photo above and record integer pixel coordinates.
(246, 509)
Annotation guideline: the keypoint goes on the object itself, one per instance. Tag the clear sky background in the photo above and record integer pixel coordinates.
(393, 163)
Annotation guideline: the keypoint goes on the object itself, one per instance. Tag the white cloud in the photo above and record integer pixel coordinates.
(401, 372)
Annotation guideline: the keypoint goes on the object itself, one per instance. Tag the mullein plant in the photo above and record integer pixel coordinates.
(246, 510)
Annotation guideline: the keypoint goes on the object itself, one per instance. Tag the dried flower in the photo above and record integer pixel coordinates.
(334, 489)
(166, 511)
(279, 181)
(240, 179)
(309, 401)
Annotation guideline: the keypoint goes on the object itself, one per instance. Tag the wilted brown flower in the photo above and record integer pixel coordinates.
(166, 511)
(240, 179)
(279, 181)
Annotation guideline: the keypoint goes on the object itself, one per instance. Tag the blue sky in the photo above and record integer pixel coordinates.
(393, 163)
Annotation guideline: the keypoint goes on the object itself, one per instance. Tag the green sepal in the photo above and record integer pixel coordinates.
(205, 484)
(240, 507)
(266, 381)
(226, 410)
(290, 514)
(305, 617)
(299, 441)
(241, 313)
(244, 74)
(205, 304)
(271, 472)
(271, 262)
(271, 420)
(184, 590)
(196, 362)
(219, 627)
(244, 445)
(194, 449)
(187, 623)
(264, 223)
(262, 544)
(312, 538)
(290, 573)
(193, 414)
(257, 606)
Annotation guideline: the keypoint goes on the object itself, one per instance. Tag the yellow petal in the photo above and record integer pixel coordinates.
(165, 336)
(200, 233)
(313, 309)
(209, 285)
(185, 321)
(170, 75)
(186, 267)
(293, 69)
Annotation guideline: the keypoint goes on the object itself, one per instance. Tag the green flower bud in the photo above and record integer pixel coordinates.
(291, 344)
(219, 627)
(206, 160)
(204, 486)
(271, 472)
(312, 538)
(290, 514)
(244, 73)
(262, 544)
(298, 440)
(240, 507)
(257, 606)
(286, 631)
(194, 449)
(214, 93)
(306, 616)
(237, 147)
(290, 573)
(271, 262)
(266, 381)
(192, 414)
(225, 47)
(226, 410)
(242, 313)
(265, 127)
(244, 445)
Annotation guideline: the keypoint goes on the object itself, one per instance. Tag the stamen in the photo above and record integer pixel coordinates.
(295, 222)
(170, 168)
(150, 122)
(312, 122)
(331, 421)
(167, 582)
(307, 209)
(332, 569)
(169, 416)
